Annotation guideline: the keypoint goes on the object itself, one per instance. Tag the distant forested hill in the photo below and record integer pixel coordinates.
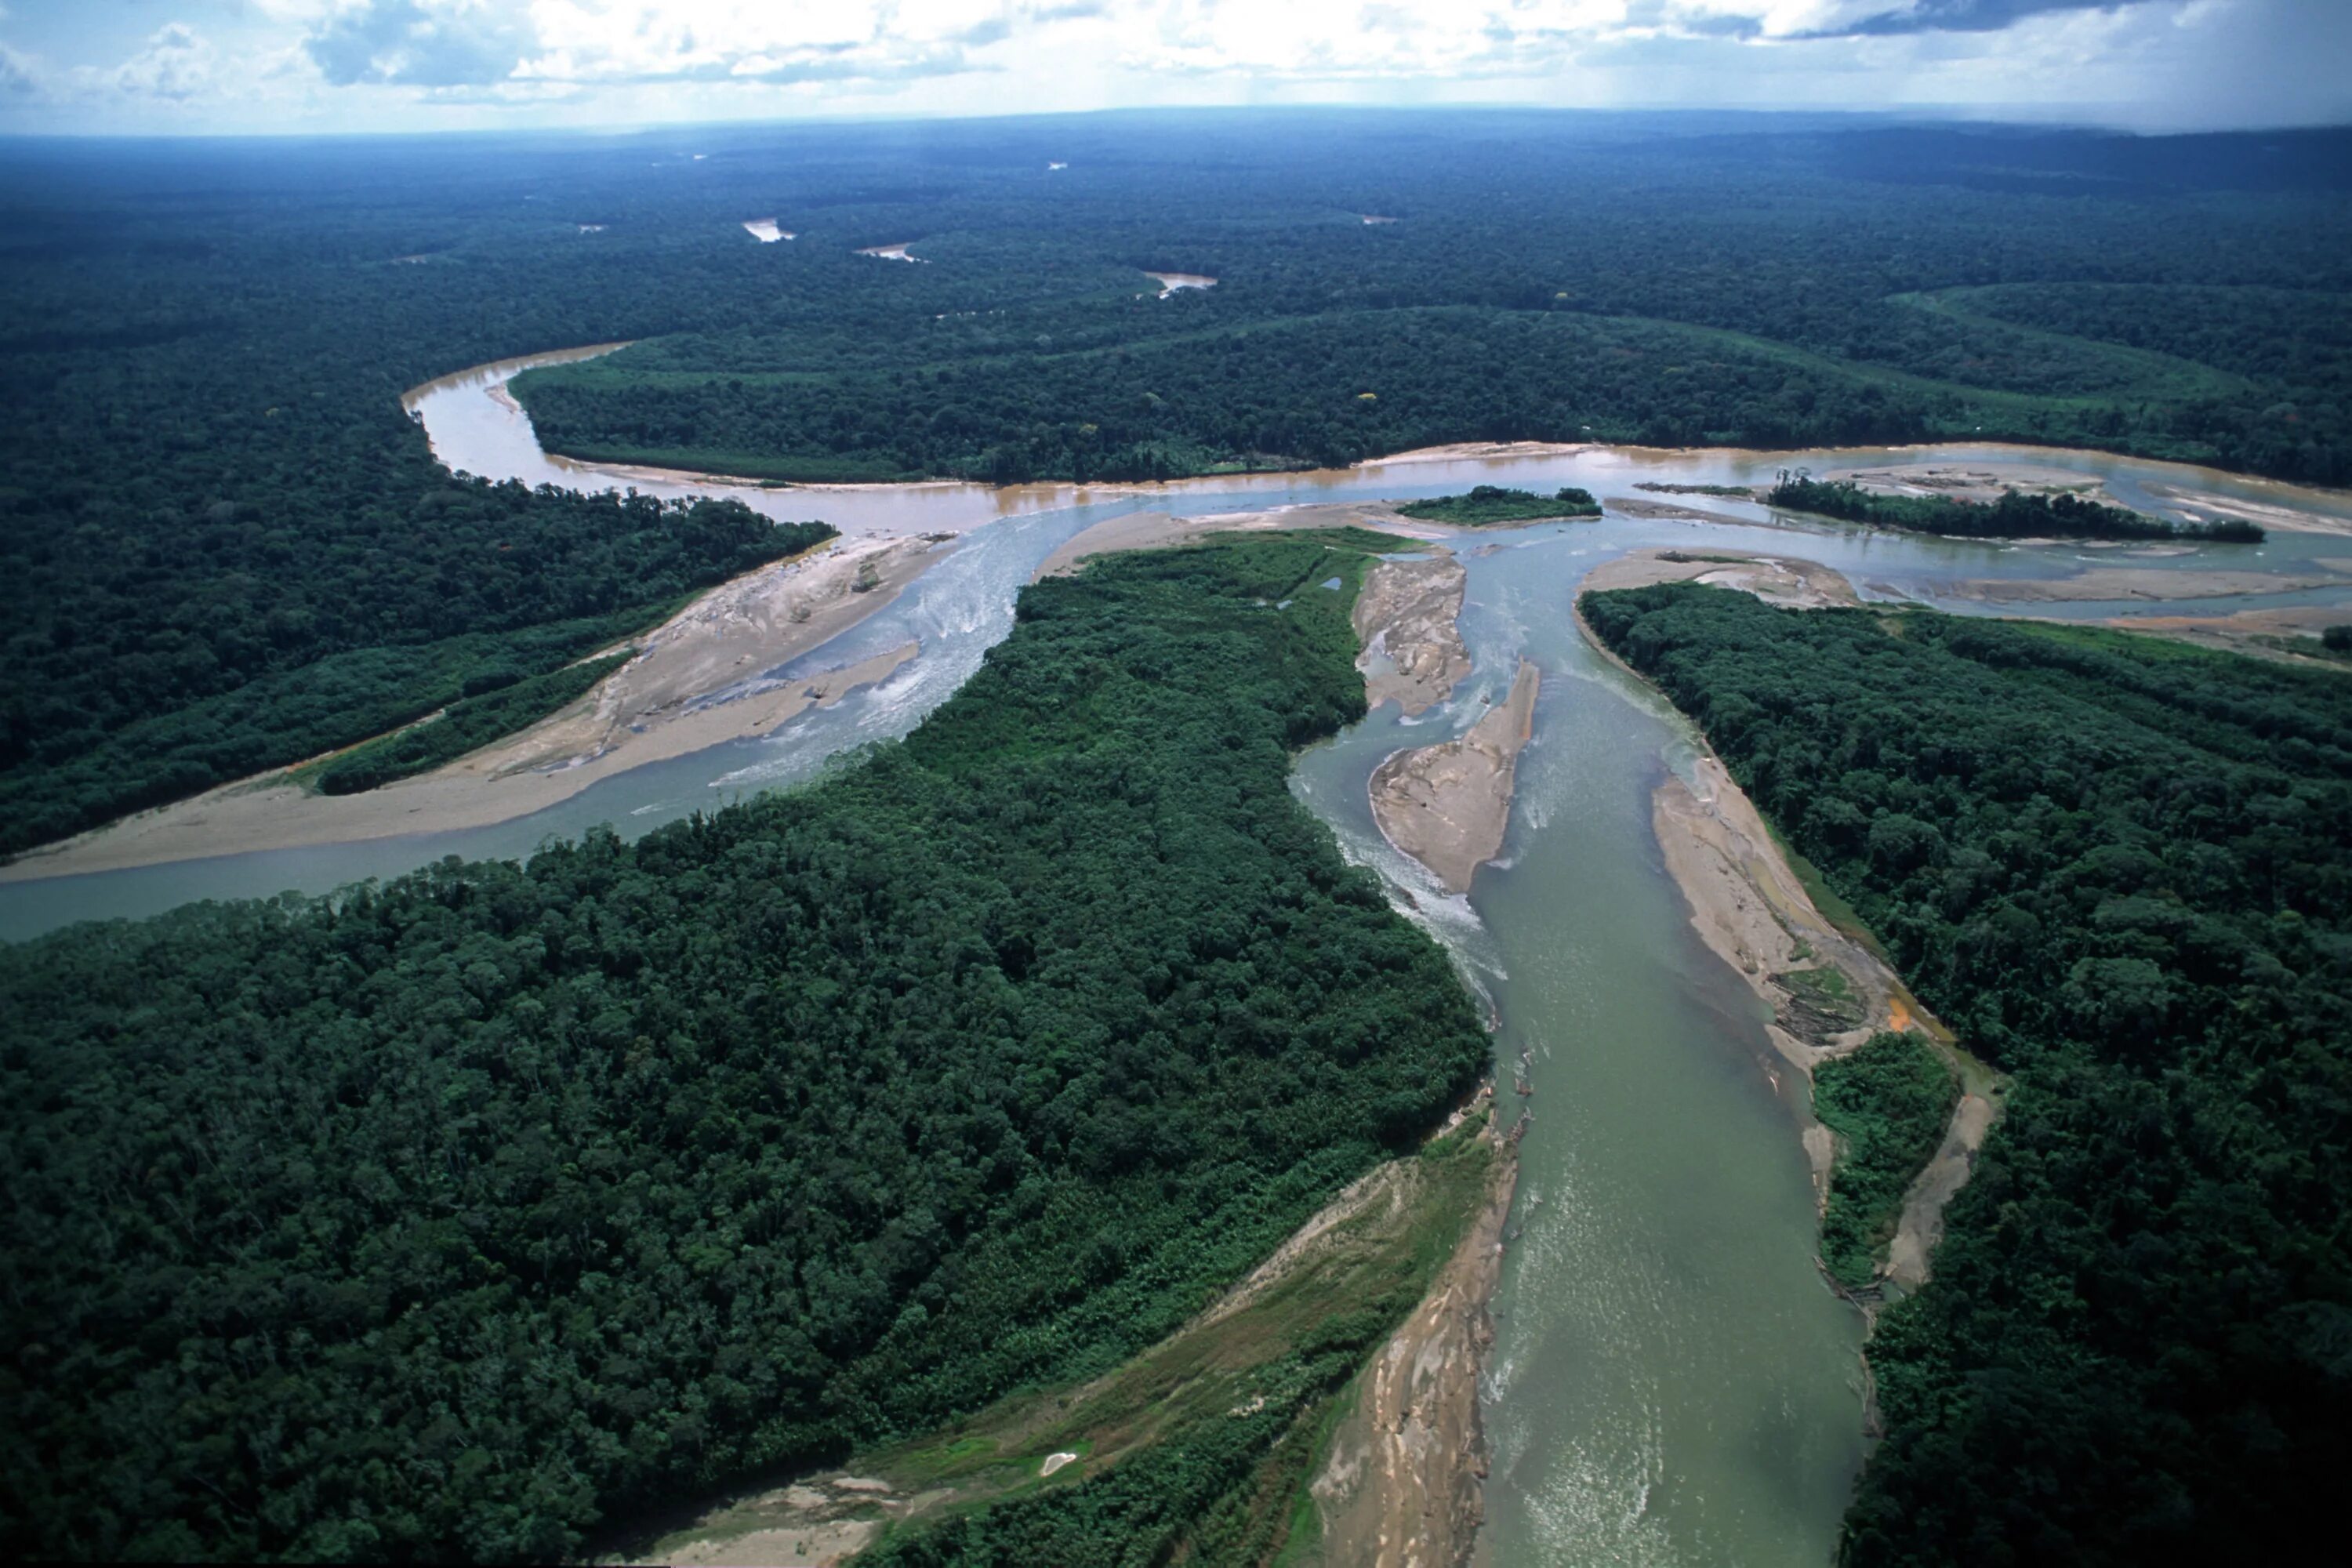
(442, 1219)
(222, 546)
(2122, 870)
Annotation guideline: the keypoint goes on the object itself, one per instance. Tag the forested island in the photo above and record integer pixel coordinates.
(503, 1197)
(1485, 505)
(2122, 870)
(2017, 514)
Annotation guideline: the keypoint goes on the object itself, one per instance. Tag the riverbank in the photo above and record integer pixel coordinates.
(693, 684)
(1824, 986)
(1432, 1219)
(1402, 1483)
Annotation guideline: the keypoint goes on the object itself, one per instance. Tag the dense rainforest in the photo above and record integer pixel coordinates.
(445, 1217)
(2122, 870)
(223, 546)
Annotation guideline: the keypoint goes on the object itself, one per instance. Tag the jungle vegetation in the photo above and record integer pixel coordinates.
(2016, 515)
(452, 1216)
(1489, 504)
(2121, 870)
(223, 546)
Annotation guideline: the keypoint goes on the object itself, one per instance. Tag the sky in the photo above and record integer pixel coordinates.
(207, 67)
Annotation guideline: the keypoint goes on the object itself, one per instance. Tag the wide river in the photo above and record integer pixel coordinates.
(1671, 1383)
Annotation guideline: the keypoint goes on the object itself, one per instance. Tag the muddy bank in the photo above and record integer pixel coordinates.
(693, 684)
(1674, 511)
(1406, 620)
(2290, 634)
(1403, 1482)
(1447, 805)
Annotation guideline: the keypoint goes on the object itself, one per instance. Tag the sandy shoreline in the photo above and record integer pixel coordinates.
(677, 696)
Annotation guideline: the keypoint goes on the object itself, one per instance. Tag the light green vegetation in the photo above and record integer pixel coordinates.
(1888, 1102)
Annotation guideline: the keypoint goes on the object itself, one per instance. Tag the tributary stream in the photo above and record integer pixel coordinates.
(1671, 1383)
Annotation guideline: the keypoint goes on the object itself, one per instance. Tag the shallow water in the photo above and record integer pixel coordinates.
(1672, 1384)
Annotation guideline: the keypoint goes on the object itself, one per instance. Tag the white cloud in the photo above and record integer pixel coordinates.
(176, 65)
(406, 63)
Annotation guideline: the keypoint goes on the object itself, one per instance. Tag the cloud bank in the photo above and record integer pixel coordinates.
(415, 64)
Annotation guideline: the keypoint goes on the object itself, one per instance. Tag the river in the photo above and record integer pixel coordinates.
(1671, 1382)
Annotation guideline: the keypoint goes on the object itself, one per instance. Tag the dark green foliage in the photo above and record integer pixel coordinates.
(2122, 870)
(1888, 1103)
(445, 1217)
(2336, 639)
(497, 702)
(2013, 516)
(1495, 503)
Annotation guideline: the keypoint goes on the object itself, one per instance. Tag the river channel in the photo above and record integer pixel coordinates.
(1671, 1383)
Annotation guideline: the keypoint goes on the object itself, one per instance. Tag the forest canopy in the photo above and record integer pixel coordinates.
(224, 547)
(2121, 869)
(447, 1217)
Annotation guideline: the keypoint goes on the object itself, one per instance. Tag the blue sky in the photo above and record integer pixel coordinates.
(239, 65)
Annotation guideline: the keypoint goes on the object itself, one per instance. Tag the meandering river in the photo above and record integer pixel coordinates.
(1672, 1383)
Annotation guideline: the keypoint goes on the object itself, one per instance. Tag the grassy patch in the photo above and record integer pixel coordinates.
(1888, 1103)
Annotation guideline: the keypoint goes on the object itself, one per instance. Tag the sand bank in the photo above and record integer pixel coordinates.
(1751, 910)
(1447, 805)
(2154, 583)
(1787, 582)
(1982, 482)
(692, 685)
(1402, 1485)
(1406, 622)
(1163, 531)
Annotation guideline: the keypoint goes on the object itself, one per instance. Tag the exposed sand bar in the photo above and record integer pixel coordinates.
(692, 685)
(765, 231)
(1403, 1483)
(1776, 579)
(1161, 531)
(2151, 582)
(1447, 805)
(1407, 621)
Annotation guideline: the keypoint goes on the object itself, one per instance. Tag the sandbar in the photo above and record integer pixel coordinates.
(1406, 619)
(1402, 1485)
(2154, 583)
(693, 684)
(1777, 580)
(1447, 806)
